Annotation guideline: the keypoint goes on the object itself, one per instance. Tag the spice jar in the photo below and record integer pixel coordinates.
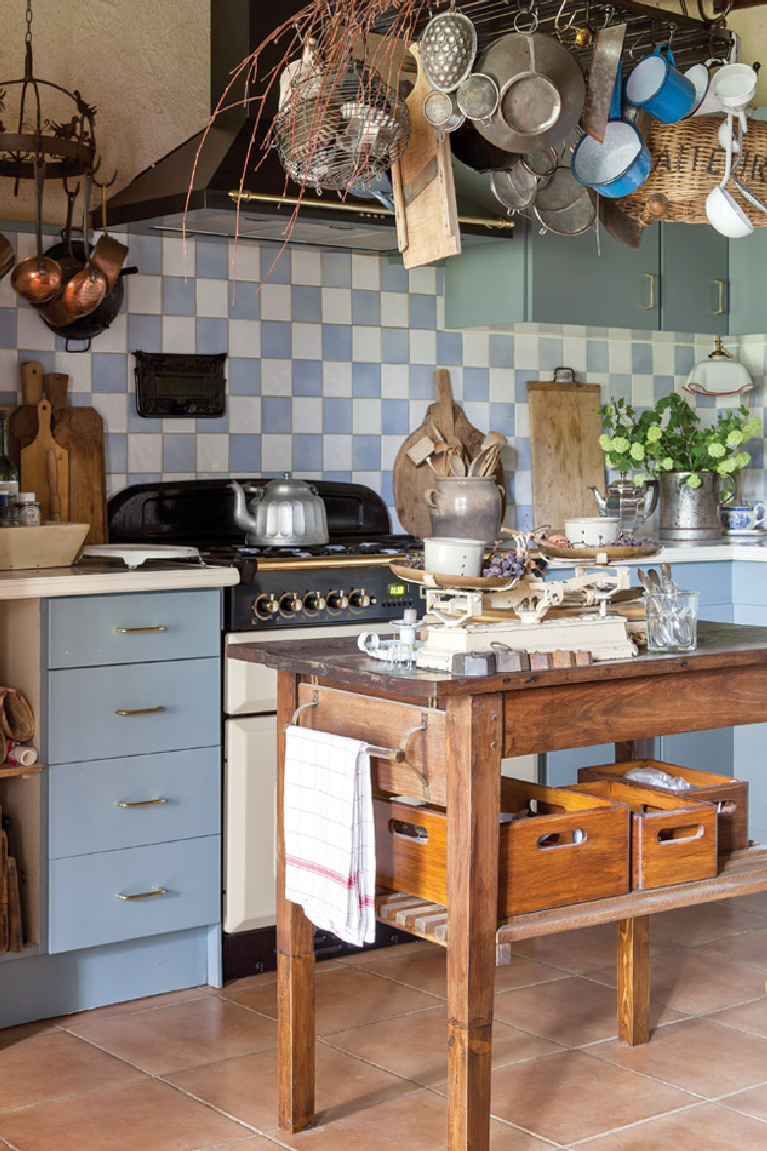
(27, 510)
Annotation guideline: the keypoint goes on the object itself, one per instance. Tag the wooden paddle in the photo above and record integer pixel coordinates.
(80, 431)
(45, 468)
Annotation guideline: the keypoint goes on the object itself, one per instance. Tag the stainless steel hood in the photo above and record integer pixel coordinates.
(155, 200)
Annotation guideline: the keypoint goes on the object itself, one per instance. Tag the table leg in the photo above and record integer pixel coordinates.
(295, 961)
(634, 980)
(634, 749)
(474, 740)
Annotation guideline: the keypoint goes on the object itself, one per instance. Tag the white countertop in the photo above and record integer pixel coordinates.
(725, 550)
(93, 577)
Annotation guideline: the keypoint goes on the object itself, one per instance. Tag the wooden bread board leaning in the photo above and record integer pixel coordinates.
(45, 468)
(564, 448)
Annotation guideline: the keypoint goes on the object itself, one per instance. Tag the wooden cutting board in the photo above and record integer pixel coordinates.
(564, 448)
(410, 482)
(45, 468)
(81, 432)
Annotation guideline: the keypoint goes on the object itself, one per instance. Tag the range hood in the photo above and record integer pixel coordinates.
(154, 202)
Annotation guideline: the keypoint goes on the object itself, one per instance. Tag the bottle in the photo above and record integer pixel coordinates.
(27, 510)
(9, 477)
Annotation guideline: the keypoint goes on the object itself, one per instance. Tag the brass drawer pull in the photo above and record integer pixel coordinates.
(719, 309)
(650, 276)
(134, 630)
(139, 711)
(141, 802)
(143, 894)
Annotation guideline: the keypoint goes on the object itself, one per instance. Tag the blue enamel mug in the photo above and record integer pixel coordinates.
(655, 85)
(621, 163)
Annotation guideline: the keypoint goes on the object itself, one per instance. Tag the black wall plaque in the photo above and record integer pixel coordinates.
(173, 384)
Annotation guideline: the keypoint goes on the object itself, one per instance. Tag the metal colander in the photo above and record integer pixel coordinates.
(337, 131)
(448, 48)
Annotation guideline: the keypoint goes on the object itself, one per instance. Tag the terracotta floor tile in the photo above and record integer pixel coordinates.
(265, 977)
(345, 998)
(707, 1127)
(52, 1065)
(415, 1046)
(751, 1017)
(149, 1116)
(185, 1035)
(749, 948)
(587, 949)
(692, 926)
(417, 1121)
(10, 1036)
(133, 1005)
(571, 1011)
(363, 958)
(246, 1088)
(756, 904)
(750, 1102)
(569, 1096)
(697, 1055)
(697, 982)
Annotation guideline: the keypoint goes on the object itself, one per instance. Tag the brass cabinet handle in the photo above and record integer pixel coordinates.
(141, 802)
(143, 894)
(139, 711)
(719, 310)
(134, 630)
(651, 277)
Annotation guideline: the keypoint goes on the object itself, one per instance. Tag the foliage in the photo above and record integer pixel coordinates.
(671, 438)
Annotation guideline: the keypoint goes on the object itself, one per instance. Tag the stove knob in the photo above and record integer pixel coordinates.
(290, 604)
(359, 598)
(267, 605)
(337, 600)
(314, 601)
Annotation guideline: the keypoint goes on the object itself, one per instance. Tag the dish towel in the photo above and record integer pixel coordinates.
(330, 864)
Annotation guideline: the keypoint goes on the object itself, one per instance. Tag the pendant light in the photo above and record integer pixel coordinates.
(720, 374)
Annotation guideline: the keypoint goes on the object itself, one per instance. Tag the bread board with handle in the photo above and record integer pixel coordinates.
(45, 468)
(22, 423)
(80, 430)
(565, 455)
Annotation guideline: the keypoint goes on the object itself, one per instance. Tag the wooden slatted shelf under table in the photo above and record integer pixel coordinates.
(448, 736)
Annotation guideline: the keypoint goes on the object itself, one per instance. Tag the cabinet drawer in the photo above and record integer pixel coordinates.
(86, 631)
(113, 803)
(84, 706)
(85, 890)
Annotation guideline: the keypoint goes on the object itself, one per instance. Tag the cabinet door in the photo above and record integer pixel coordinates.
(694, 285)
(573, 283)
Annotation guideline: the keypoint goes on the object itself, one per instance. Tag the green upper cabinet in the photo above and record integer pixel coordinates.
(748, 302)
(676, 281)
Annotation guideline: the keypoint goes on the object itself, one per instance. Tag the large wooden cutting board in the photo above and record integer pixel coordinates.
(564, 448)
(45, 468)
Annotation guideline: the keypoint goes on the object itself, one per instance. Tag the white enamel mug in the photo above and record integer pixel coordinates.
(443, 555)
(734, 86)
(726, 215)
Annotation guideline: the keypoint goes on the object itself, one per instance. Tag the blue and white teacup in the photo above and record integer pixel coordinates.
(743, 517)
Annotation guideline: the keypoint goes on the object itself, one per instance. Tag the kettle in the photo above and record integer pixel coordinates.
(632, 503)
(285, 513)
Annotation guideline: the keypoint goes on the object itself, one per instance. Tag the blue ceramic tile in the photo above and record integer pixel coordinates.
(306, 304)
(146, 253)
(212, 260)
(521, 378)
(144, 477)
(307, 377)
(212, 335)
(80, 400)
(395, 417)
(521, 448)
(684, 359)
(523, 517)
(9, 399)
(705, 401)
(137, 423)
(276, 340)
(449, 348)
(423, 311)
(502, 419)
(336, 342)
(641, 359)
(245, 454)
(662, 386)
(549, 353)
(178, 296)
(178, 453)
(244, 301)
(366, 453)
(144, 333)
(243, 376)
(620, 386)
(394, 275)
(47, 359)
(65, 345)
(476, 383)
(366, 307)
(597, 356)
(8, 327)
(109, 372)
(275, 263)
(336, 415)
(755, 448)
(387, 489)
(366, 380)
(336, 270)
(116, 452)
(307, 452)
(276, 414)
(501, 351)
(207, 425)
(421, 382)
(338, 477)
(395, 345)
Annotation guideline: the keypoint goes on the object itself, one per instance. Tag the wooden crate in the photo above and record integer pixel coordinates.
(672, 840)
(729, 796)
(568, 849)
(43, 546)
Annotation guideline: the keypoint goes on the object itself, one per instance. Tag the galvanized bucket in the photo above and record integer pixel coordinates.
(689, 514)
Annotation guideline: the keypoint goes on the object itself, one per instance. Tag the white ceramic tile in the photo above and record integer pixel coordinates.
(366, 344)
(213, 452)
(522, 421)
(423, 281)
(245, 414)
(395, 381)
(180, 426)
(178, 334)
(115, 338)
(394, 310)
(523, 488)
(276, 377)
(307, 341)
(476, 349)
(337, 453)
(336, 305)
(502, 385)
(176, 262)
(478, 413)
(244, 338)
(642, 392)
(174, 477)
(369, 479)
(145, 452)
(526, 353)
(78, 368)
(114, 409)
(423, 346)
(336, 379)
(366, 270)
(8, 298)
(305, 265)
(390, 445)
(619, 357)
(276, 453)
(275, 302)
(366, 417)
(144, 294)
(25, 245)
(418, 411)
(440, 312)
(245, 261)
(307, 414)
(213, 297)
(663, 359)
(32, 333)
(574, 353)
(9, 371)
(116, 481)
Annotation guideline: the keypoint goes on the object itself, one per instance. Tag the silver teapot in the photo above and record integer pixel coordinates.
(285, 513)
(632, 503)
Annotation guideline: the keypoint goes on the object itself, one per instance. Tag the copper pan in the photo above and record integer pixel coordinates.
(38, 278)
(85, 290)
(109, 255)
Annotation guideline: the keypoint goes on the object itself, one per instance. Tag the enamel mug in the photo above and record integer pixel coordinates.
(656, 86)
(743, 517)
(734, 86)
(705, 100)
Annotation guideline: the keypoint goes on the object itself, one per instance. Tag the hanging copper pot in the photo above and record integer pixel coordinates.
(84, 291)
(38, 278)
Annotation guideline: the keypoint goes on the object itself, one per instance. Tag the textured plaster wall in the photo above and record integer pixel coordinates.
(144, 64)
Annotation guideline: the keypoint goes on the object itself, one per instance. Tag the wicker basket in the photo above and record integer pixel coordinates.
(688, 161)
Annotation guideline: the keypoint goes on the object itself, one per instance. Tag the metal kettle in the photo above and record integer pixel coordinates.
(630, 502)
(285, 513)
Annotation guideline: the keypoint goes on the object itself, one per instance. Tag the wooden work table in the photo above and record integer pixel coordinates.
(451, 734)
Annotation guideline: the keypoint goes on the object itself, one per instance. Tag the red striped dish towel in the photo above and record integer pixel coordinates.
(330, 865)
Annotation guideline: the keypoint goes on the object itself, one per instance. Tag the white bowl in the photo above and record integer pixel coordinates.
(593, 531)
(444, 555)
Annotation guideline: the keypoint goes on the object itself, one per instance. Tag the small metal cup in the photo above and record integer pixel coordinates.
(441, 110)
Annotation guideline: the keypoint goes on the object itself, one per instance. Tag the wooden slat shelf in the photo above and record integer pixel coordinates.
(744, 873)
(10, 770)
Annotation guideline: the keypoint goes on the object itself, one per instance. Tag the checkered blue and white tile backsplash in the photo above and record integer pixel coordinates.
(330, 364)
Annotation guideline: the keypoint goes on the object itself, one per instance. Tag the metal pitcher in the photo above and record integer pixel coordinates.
(689, 514)
(632, 503)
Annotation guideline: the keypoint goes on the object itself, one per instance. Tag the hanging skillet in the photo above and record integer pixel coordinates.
(87, 327)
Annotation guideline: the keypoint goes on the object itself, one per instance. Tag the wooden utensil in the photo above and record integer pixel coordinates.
(81, 432)
(37, 471)
(564, 447)
(22, 424)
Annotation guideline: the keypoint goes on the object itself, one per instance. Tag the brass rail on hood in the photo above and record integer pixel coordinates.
(366, 212)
